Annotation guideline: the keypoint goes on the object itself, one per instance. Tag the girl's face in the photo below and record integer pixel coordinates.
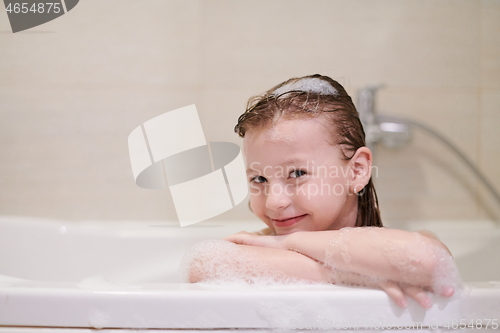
(298, 180)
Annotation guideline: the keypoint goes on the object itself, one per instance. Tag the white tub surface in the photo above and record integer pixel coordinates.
(125, 275)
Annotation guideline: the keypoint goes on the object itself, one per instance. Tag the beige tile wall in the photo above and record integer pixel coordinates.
(71, 91)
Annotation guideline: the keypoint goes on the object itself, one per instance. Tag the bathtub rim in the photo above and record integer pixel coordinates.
(200, 306)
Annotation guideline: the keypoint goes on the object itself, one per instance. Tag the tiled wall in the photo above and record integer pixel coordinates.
(72, 90)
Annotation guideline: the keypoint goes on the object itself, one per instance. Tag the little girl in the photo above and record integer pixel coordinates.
(309, 174)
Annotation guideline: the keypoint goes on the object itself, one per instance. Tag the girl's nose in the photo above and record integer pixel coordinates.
(277, 197)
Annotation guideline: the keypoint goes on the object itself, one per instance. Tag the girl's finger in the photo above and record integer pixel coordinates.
(443, 291)
(255, 240)
(240, 238)
(419, 295)
(447, 291)
(395, 293)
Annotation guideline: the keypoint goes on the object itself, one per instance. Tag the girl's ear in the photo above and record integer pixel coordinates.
(361, 166)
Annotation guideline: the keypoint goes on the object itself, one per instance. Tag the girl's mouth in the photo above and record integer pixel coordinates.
(288, 222)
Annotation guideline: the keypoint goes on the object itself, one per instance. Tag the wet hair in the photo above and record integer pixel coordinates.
(313, 96)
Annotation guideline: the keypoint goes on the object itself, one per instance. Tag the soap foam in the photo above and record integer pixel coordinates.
(347, 278)
(221, 262)
(224, 263)
(444, 275)
(339, 245)
(308, 84)
(98, 319)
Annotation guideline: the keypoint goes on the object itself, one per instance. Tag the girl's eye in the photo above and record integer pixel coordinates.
(297, 173)
(258, 179)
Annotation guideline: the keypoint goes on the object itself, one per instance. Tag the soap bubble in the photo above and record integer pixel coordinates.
(219, 262)
(407, 256)
(224, 263)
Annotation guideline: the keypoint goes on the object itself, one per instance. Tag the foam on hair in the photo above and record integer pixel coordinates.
(307, 84)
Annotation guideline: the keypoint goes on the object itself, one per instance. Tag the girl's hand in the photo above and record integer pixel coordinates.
(423, 297)
(246, 238)
(397, 294)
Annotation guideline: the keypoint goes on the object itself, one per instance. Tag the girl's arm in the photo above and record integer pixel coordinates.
(406, 262)
(388, 253)
(256, 262)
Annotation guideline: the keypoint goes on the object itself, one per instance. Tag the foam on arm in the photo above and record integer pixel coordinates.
(396, 255)
(223, 262)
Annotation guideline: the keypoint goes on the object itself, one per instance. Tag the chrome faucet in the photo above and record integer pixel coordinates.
(396, 132)
(367, 114)
(391, 132)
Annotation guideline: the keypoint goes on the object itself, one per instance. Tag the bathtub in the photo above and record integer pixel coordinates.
(79, 276)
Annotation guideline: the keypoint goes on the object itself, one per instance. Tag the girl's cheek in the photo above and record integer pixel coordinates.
(256, 203)
(255, 194)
